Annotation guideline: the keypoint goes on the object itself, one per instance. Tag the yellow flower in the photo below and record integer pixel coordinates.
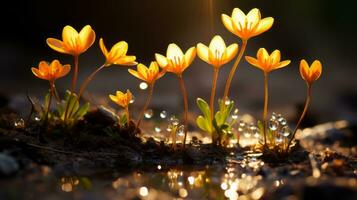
(310, 74)
(149, 75)
(73, 43)
(117, 54)
(267, 62)
(52, 71)
(122, 99)
(247, 26)
(175, 61)
(217, 54)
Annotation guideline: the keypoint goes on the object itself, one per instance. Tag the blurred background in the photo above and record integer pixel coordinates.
(319, 29)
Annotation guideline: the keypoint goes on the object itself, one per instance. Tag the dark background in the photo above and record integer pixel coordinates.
(310, 29)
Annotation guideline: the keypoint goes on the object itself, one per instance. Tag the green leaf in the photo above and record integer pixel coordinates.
(122, 120)
(204, 107)
(203, 124)
(82, 110)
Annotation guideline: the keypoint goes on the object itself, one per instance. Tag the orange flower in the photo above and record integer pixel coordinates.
(52, 71)
(122, 99)
(247, 26)
(267, 62)
(149, 75)
(117, 54)
(310, 74)
(217, 54)
(175, 61)
(73, 43)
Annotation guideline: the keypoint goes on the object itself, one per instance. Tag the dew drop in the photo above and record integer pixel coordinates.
(247, 134)
(273, 125)
(273, 116)
(132, 100)
(227, 102)
(19, 123)
(235, 114)
(174, 121)
(143, 86)
(285, 131)
(282, 121)
(163, 114)
(157, 129)
(149, 113)
(181, 131)
(36, 117)
(279, 139)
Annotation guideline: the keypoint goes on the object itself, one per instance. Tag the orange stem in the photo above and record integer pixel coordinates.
(88, 80)
(127, 115)
(75, 74)
(185, 101)
(234, 68)
(265, 112)
(141, 116)
(307, 104)
(213, 91)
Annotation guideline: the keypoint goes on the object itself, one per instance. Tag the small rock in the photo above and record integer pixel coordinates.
(8, 165)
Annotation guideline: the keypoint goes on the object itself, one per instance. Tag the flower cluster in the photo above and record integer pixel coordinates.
(219, 124)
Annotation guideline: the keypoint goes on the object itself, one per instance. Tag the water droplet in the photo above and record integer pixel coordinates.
(143, 85)
(273, 125)
(285, 131)
(181, 131)
(157, 129)
(36, 117)
(163, 114)
(256, 135)
(19, 123)
(247, 134)
(132, 99)
(235, 114)
(279, 139)
(227, 102)
(273, 116)
(169, 128)
(282, 121)
(149, 113)
(242, 124)
(174, 121)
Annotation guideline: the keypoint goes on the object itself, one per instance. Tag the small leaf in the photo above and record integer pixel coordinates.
(203, 124)
(204, 107)
(82, 110)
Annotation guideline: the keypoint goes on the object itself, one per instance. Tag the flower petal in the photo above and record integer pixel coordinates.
(253, 62)
(274, 57)
(87, 37)
(264, 25)
(304, 70)
(253, 17)
(217, 44)
(238, 17)
(173, 52)
(262, 55)
(315, 70)
(190, 56)
(161, 60)
(126, 61)
(202, 52)
(135, 73)
(227, 22)
(56, 45)
(37, 73)
(65, 70)
(282, 64)
(230, 53)
(118, 50)
(103, 48)
(69, 37)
